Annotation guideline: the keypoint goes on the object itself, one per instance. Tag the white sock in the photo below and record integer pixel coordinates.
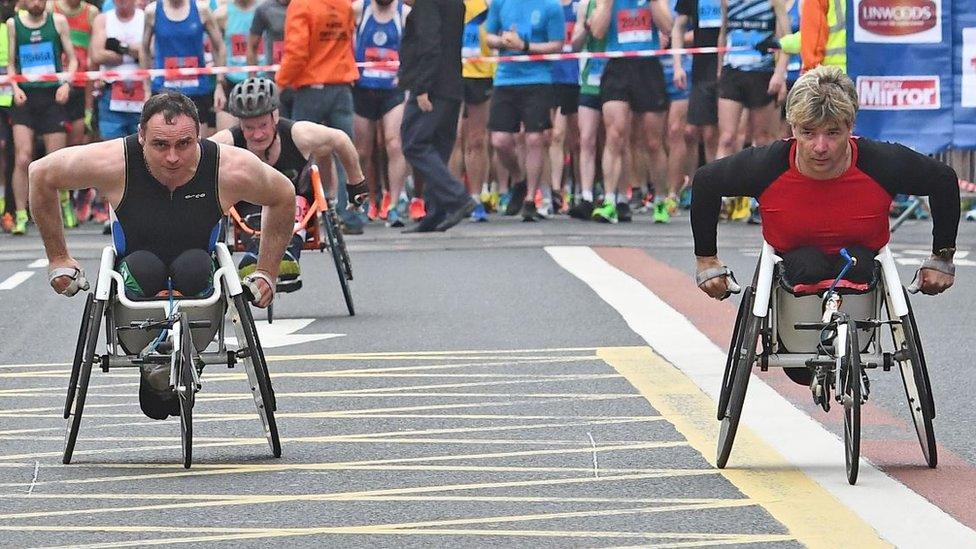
(588, 195)
(610, 198)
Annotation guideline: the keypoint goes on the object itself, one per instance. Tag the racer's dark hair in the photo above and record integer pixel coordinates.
(170, 104)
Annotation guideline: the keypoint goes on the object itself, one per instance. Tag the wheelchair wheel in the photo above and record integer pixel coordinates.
(850, 393)
(257, 371)
(186, 390)
(337, 247)
(86, 321)
(915, 378)
(741, 357)
(77, 393)
(723, 398)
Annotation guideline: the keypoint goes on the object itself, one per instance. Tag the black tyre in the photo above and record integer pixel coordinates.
(186, 390)
(257, 367)
(850, 391)
(337, 248)
(77, 407)
(744, 308)
(915, 378)
(86, 322)
(743, 354)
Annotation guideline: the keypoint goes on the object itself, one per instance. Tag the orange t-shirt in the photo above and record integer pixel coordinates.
(318, 44)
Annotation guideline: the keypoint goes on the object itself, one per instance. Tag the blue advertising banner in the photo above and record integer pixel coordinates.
(897, 53)
(964, 69)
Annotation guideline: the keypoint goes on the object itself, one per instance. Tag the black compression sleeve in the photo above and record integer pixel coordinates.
(747, 173)
(901, 170)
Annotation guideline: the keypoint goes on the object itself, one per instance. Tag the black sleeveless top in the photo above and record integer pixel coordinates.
(162, 222)
(291, 161)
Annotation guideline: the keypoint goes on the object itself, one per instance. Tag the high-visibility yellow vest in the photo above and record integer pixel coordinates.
(6, 92)
(836, 49)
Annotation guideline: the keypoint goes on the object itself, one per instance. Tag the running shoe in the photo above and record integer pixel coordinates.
(970, 215)
(67, 211)
(418, 210)
(684, 201)
(100, 212)
(517, 198)
(661, 214)
(755, 218)
(582, 210)
(374, 211)
(503, 201)
(672, 205)
(289, 269)
(544, 208)
(493, 203)
(83, 204)
(623, 212)
(20, 223)
(607, 213)
(7, 222)
(529, 212)
(740, 209)
(393, 218)
(479, 214)
(248, 264)
(385, 205)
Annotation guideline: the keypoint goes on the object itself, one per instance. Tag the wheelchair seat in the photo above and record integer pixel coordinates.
(134, 341)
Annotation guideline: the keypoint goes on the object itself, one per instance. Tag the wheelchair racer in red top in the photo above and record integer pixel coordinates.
(289, 147)
(823, 190)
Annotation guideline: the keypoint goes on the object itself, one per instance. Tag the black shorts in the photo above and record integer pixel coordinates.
(590, 101)
(41, 112)
(745, 87)
(6, 134)
(205, 108)
(639, 82)
(373, 104)
(703, 104)
(74, 109)
(567, 98)
(514, 106)
(477, 90)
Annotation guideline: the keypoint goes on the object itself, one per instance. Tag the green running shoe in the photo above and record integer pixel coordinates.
(20, 223)
(68, 211)
(607, 213)
(661, 214)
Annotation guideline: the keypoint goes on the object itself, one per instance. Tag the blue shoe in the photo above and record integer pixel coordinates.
(393, 218)
(479, 214)
(684, 201)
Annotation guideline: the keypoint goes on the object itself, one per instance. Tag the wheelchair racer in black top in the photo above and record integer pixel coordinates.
(824, 190)
(168, 190)
(289, 147)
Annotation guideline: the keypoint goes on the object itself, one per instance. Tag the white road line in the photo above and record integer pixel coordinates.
(38, 263)
(890, 507)
(15, 279)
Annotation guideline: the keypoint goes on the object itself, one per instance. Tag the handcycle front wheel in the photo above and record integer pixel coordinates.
(185, 390)
(741, 356)
(337, 248)
(86, 321)
(850, 392)
(915, 377)
(257, 371)
(78, 389)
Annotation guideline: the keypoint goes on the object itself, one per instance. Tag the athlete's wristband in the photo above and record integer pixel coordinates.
(251, 286)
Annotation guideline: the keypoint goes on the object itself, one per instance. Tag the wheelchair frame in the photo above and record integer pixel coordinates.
(321, 213)
(756, 343)
(186, 363)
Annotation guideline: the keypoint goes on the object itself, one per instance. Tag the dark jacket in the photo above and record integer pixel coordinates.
(430, 54)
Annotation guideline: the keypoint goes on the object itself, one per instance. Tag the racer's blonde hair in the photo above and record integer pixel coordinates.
(822, 96)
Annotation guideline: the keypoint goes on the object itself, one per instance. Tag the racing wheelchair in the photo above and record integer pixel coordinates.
(187, 333)
(320, 217)
(834, 330)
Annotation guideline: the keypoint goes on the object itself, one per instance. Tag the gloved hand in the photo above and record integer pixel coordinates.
(113, 44)
(768, 43)
(358, 194)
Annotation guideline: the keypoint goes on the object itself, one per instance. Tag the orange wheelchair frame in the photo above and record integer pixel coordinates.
(320, 218)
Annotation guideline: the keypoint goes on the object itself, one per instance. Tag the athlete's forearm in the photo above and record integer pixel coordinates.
(45, 208)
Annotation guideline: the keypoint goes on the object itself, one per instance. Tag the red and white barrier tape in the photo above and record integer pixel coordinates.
(176, 74)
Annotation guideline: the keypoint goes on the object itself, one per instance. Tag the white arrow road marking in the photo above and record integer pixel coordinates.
(38, 263)
(280, 333)
(15, 279)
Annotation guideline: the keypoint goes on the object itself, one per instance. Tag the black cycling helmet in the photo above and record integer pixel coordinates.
(253, 97)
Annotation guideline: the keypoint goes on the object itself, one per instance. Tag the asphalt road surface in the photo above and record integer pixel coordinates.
(502, 384)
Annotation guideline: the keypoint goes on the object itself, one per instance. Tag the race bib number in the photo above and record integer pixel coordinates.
(634, 26)
(739, 38)
(36, 58)
(568, 40)
(381, 54)
(595, 75)
(277, 51)
(709, 14)
(127, 96)
(238, 48)
(180, 63)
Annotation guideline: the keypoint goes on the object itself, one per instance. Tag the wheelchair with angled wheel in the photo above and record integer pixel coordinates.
(186, 333)
(833, 332)
(320, 218)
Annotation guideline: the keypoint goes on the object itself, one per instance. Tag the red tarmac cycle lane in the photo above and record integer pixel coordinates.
(901, 459)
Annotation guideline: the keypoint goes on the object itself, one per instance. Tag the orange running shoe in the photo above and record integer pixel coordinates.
(418, 210)
(7, 222)
(385, 206)
(374, 211)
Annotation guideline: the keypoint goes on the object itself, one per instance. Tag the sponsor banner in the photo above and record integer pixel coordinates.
(898, 21)
(964, 69)
(968, 68)
(899, 93)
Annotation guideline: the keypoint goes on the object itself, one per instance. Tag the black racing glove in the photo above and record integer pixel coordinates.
(113, 44)
(358, 193)
(768, 43)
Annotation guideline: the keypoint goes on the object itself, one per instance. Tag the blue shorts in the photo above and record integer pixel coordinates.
(675, 94)
(112, 124)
